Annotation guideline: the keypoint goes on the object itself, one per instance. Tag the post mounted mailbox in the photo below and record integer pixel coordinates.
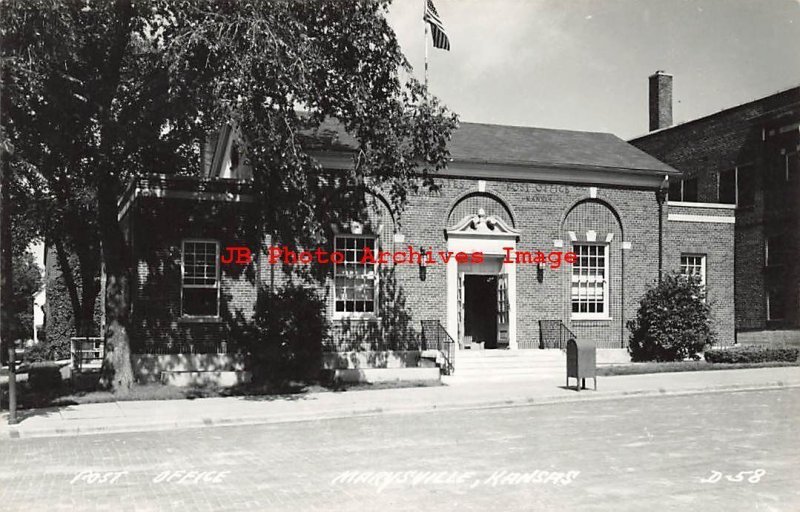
(581, 362)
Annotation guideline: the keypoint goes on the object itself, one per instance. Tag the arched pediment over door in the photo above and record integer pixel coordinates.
(469, 204)
(482, 225)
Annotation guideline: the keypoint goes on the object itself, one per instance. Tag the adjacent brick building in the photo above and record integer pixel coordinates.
(743, 158)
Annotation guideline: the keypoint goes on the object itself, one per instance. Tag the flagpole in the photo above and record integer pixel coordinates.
(425, 41)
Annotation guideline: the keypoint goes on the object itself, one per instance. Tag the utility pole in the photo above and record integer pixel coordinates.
(661, 197)
(6, 277)
(6, 265)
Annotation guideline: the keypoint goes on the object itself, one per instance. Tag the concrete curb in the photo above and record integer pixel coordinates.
(21, 432)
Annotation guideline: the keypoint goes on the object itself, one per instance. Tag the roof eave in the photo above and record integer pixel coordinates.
(525, 171)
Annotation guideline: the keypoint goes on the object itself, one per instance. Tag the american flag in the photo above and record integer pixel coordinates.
(440, 39)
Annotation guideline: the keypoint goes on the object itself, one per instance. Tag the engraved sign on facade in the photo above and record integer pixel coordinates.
(537, 192)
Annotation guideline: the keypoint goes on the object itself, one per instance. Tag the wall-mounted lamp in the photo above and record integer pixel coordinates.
(423, 267)
(540, 272)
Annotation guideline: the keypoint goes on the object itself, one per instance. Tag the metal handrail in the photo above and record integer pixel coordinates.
(566, 335)
(563, 335)
(436, 337)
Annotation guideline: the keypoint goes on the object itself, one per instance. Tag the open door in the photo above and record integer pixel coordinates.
(502, 310)
(460, 306)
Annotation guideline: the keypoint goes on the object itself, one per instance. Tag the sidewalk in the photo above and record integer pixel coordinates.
(131, 416)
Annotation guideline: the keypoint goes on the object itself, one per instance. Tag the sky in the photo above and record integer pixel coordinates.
(584, 64)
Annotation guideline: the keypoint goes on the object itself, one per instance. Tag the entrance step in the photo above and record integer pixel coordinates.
(506, 365)
(512, 365)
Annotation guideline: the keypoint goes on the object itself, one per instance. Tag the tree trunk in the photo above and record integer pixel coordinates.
(90, 287)
(117, 371)
(6, 263)
(69, 282)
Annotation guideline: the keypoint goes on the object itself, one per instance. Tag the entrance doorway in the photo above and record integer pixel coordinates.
(491, 236)
(483, 310)
(480, 309)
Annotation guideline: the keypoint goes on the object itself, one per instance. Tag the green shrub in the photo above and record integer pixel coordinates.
(44, 377)
(752, 354)
(672, 322)
(48, 351)
(284, 342)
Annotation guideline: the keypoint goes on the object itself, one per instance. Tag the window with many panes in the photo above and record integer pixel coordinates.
(355, 283)
(694, 265)
(200, 278)
(589, 291)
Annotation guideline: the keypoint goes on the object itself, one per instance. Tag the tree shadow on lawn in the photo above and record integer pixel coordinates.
(45, 403)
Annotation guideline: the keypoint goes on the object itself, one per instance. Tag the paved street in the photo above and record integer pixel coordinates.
(662, 453)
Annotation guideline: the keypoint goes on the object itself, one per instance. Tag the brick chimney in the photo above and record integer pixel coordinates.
(660, 100)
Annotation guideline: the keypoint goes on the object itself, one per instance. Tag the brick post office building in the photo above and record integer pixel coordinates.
(744, 158)
(506, 189)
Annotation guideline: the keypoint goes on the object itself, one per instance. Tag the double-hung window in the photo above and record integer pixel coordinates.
(355, 283)
(589, 290)
(200, 278)
(694, 265)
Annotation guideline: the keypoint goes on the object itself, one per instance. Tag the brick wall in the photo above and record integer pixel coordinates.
(714, 241)
(538, 210)
(159, 226)
(542, 213)
(746, 135)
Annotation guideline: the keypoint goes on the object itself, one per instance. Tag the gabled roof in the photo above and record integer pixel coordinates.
(518, 145)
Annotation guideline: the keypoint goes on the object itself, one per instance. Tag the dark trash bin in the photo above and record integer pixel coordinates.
(581, 362)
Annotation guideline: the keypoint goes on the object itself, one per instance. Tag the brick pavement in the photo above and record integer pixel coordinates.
(161, 415)
(631, 454)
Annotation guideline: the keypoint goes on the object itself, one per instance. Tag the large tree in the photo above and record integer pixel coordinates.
(97, 93)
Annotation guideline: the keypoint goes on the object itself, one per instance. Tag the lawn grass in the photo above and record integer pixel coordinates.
(682, 366)
(85, 391)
